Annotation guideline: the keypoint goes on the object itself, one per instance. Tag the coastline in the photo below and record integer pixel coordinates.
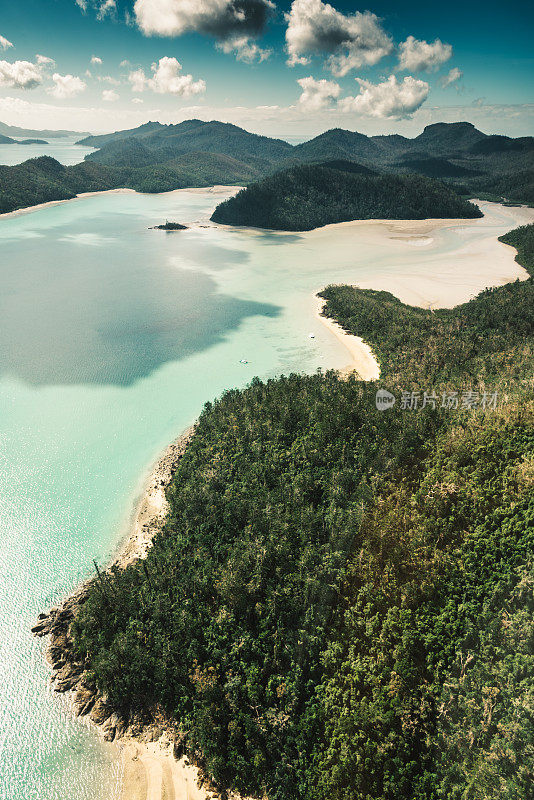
(150, 767)
(215, 189)
(363, 360)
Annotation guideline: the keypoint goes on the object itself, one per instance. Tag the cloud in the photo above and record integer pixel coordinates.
(317, 94)
(136, 100)
(103, 8)
(514, 120)
(416, 54)
(349, 41)
(43, 60)
(5, 43)
(244, 48)
(66, 86)
(222, 19)
(20, 75)
(106, 8)
(109, 95)
(167, 78)
(138, 80)
(96, 60)
(451, 77)
(391, 99)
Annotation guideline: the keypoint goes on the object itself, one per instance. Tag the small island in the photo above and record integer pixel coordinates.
(169, 226)
(33, 141)
(306, 197)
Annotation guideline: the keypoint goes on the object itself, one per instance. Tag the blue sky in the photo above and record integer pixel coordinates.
(378, 67)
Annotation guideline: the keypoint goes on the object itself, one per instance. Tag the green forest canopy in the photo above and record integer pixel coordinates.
(306, 197)
(339, 606)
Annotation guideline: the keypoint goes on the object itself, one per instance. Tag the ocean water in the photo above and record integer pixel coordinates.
(112, 336)
(64, 150)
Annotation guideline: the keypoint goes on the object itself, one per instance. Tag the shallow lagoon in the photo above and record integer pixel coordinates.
(112, 336)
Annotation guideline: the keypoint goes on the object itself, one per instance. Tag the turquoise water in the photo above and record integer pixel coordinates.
(64, 150)
(112, 336)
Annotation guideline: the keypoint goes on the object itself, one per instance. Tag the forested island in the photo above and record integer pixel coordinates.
(160, 158)
(170, 226)
(306, 197)
(340, 602)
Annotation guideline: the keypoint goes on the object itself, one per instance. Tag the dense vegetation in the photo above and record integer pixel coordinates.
(158, 158)
(339, 606)
(306, 197)
(156, 144)
(40, 180)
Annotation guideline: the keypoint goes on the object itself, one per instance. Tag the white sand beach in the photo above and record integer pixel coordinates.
(215, 190)
(430, 263)
(362, 359)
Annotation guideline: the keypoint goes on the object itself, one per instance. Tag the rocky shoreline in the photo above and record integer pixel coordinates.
(69, 673)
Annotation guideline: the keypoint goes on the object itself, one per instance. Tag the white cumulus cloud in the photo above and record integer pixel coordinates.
(66, 86)
(109, 95)
(245, 49)
(317, 94)
(137, 80)
(44, 60)
(415, 54)
(348, 41)
(452, 76)
(5, 43)
(225, 20)
(96, 60)
(167, 78)
(391, 99)
(20, 75)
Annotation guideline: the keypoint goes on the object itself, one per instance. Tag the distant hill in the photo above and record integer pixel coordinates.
(9, 140)
(156, 157)
(40, 180)
(307, 197)
(166, 142)
(394, 142)
(457, 152)
(347, 166)
(338, 144)
(503, 144)
(435, 168)
(106, 138)
(13, 130)
(448, 138)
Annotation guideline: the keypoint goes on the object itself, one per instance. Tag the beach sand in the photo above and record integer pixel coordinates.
(150, 772)
(471, 268)
(216, 190)
(362, 359)
(152, 507)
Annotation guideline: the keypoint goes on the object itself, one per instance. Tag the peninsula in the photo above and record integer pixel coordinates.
(313, 542)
